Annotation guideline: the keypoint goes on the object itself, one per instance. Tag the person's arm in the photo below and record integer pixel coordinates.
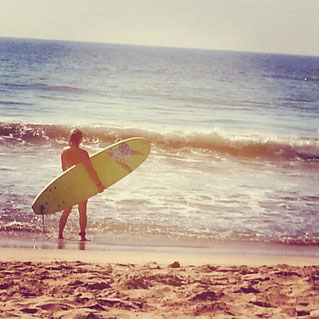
(92, 172)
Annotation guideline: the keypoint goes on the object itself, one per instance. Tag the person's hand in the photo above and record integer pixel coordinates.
(100, 187)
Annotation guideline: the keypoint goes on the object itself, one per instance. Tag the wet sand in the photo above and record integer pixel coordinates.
(52, 283)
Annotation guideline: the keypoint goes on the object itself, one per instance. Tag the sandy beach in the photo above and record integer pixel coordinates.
(52, 283)
(220, 221)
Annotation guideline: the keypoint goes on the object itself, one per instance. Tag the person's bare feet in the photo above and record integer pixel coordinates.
(83, 238)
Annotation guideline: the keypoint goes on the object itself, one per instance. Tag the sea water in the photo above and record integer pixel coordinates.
(235, 141)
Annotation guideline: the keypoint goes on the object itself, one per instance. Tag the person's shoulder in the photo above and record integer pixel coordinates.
(65, 149)
(83, 152)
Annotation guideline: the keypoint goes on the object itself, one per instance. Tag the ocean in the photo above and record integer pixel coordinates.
(235, 142)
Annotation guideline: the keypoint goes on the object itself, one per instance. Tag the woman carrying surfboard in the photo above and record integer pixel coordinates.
(72, 155)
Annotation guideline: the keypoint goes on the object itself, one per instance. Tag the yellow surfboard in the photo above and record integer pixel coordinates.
(75, 185)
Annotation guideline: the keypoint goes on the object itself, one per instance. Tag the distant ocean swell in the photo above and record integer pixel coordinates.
(41, 87)
(264, 148)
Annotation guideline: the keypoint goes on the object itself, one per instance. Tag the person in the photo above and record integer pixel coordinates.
(72, 155)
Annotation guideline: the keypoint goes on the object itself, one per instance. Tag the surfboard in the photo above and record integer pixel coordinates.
(75, 184)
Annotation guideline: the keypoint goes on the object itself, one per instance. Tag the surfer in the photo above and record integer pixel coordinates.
(71, 155)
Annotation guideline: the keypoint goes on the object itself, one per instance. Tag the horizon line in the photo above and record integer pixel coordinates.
(159, 46)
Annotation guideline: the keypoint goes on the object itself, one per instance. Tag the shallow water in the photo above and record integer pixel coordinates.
(235, 140)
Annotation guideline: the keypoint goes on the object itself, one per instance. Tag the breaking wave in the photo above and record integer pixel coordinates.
(307, 149)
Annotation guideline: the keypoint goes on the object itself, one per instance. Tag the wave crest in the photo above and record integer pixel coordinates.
(237, 146)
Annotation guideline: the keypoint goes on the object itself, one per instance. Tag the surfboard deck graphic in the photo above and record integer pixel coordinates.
(75, 184)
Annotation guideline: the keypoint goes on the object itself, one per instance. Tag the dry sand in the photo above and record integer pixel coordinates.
(121, 284)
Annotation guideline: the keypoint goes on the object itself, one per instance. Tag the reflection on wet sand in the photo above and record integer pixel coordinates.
(62, 244)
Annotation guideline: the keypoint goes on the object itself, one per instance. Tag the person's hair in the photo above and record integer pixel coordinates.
(75, 136)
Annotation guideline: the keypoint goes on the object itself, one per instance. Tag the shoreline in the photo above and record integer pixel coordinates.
(251, 254)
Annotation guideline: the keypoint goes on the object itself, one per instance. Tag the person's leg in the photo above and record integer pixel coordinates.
(63, 220)
(82, 218)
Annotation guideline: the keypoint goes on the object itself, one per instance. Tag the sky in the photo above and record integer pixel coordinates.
(274, 26)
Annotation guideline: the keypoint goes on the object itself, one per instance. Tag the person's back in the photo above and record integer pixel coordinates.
(72, 155)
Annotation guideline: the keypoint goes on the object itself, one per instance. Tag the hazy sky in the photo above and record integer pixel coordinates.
(283, 26)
